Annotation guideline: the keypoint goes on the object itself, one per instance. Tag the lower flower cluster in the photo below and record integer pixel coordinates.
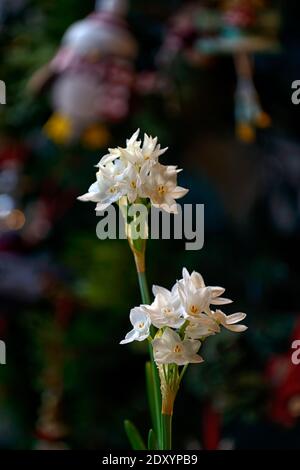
(183, 318)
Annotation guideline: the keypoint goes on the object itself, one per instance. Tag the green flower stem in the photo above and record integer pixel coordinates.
(182, 329)
(170, 383)
(157, 394)
(167, 431)
(182, 372)
(144, 288)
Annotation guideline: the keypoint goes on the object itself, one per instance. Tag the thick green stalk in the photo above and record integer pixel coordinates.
(167, 432)
(157, 395)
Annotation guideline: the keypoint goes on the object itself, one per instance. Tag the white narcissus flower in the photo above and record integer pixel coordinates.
(186, 308)
(171, 349)
(229, 321)
(151, 151)
(113, 171)
(107, 189)
(134, 172)
(201, 327)
(131, 183)
(161, 187)
(103, 192)
(128, 154)
(196, 281)
(166, 310)
(196, 297)
(194, 302)
(141, 326)
(147, 154)
(132, 144)
(112, 156)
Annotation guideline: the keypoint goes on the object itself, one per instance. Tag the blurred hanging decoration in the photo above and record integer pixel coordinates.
(240, 28)
(10, 8)
(240, 37)
(284, 379)
(91, 77)
(280, 190)
(51, 431)
(50, 428)
(248, 111)
(26, 223)
(211, 427)
(12, 158)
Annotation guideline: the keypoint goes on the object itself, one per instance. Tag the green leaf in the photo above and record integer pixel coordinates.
(153, 392)
(149, 383)
(134, 436)
(152, 441)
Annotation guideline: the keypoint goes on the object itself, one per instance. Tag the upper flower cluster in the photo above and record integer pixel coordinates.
(135, 172)
(186, 309)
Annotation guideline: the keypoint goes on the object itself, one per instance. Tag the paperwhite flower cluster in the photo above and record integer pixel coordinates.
(135, 172)
(183, 317)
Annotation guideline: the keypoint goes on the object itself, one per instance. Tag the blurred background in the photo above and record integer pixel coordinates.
(212, 79)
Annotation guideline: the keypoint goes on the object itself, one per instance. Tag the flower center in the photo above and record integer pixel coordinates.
(167, 311)
(194, 309)
(177, 349)
(161, 189)
(133, 184)
(141, 325)
(112, 189)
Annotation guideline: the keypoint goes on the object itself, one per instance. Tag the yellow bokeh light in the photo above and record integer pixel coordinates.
(15, 220)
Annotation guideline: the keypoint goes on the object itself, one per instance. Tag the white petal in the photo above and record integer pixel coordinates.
(197, 279)
(220, 301)
(191, 346)
(101, 207)
(179, 192)
(174, 291)
(198, 332)
(218, 316)
(89, 197)
(108, 159)
(196, 359)
(160, 357)
(178, 323)
(129, 156)
(131, 336)
(185, 274)
(204, 322)
(142, 337)
(179, 359)
(133, 138)
(93, 194)
(171, 208)
(160, 290)
(161, 350)
(168, 339)
(138, 315)
(161, 321)
(236, 328)
(216, 291)
(162, 151)
(235, 318)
